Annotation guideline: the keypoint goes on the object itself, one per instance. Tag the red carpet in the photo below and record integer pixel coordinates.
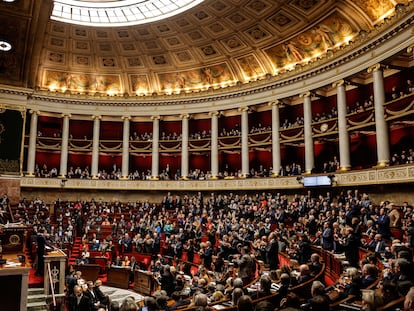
(35, 280)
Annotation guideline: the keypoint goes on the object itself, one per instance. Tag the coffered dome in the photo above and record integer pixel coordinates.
(215, 44)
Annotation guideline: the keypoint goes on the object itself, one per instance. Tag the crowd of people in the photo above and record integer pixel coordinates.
(230, 231)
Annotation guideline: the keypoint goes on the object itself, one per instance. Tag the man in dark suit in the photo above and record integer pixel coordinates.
(351, 246)
(327, 237)
(272, 252)
(78, 301)
(304, 274)
(377, 244)
(90, 293)
(208, 255)
(40, 251)
(102, 298)
(126, 243)
(246, 266)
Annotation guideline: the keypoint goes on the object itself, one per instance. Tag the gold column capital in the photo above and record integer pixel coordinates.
(126, 118)
(305, 94)
(63, 115)
(214, 113)
(338, 83)
(155, 118)
(275, 103)
(184, 116)
(34, 111)
(96, 117)
(244, 109)
(410, 49)
(374, 67)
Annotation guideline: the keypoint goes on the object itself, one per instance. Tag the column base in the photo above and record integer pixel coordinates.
(344, 168)
(307, 172)
(184, 178)
(274, 175)
(62, 176)
(213, 178)
(243, 176)
(154, 178)
(381, 164)
(30, 175)
(124, 178)
(94, 177)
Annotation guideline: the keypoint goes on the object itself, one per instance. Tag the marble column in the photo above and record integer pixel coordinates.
(214, 145)
(344, 150)
(95, 146)
(125, 147)
(381, 127)
(307, 127)
(31, 156)
(276, 159)
(155, 147)
(65, 145)
(184, 146)
(245, 141)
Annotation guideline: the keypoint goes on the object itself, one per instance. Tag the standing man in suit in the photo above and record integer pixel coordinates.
(327, 237)
(272, 252)
(351, 246)
(78, 301)
(40, 251)
(208, 255)
(126, 243)
(246, 266)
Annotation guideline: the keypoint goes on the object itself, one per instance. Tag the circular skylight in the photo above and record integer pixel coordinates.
(118, 12)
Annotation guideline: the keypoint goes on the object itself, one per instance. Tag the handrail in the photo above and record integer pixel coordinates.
(49, 273)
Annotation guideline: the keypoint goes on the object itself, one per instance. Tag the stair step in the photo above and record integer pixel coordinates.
(35, 291)
(36, 298)
(37, 306)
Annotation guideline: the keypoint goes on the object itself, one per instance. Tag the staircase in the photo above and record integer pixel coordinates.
(75, 253)
(36, 300)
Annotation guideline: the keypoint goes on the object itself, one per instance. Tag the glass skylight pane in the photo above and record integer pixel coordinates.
(118, 13)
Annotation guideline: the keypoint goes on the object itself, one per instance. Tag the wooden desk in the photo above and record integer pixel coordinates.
(118, 277)
(14, 282)
(143, 282)
(89, 272)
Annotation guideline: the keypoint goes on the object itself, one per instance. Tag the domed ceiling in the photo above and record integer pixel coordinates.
(215, 44)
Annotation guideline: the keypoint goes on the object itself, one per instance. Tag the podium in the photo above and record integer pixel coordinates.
(143, 282)
(57, 261)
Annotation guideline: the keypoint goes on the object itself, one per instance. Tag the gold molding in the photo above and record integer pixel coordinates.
(338, 83)
(374, 67)
(305, 94)
(377, 175)
(214, 113)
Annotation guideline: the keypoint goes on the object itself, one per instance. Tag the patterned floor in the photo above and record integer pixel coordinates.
(118, 294)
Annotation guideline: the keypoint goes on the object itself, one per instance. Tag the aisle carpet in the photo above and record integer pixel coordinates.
(35, 280)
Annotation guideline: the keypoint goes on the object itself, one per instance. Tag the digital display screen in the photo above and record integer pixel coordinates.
(314, 181)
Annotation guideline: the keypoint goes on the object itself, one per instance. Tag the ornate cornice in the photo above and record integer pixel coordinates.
(390, 175)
